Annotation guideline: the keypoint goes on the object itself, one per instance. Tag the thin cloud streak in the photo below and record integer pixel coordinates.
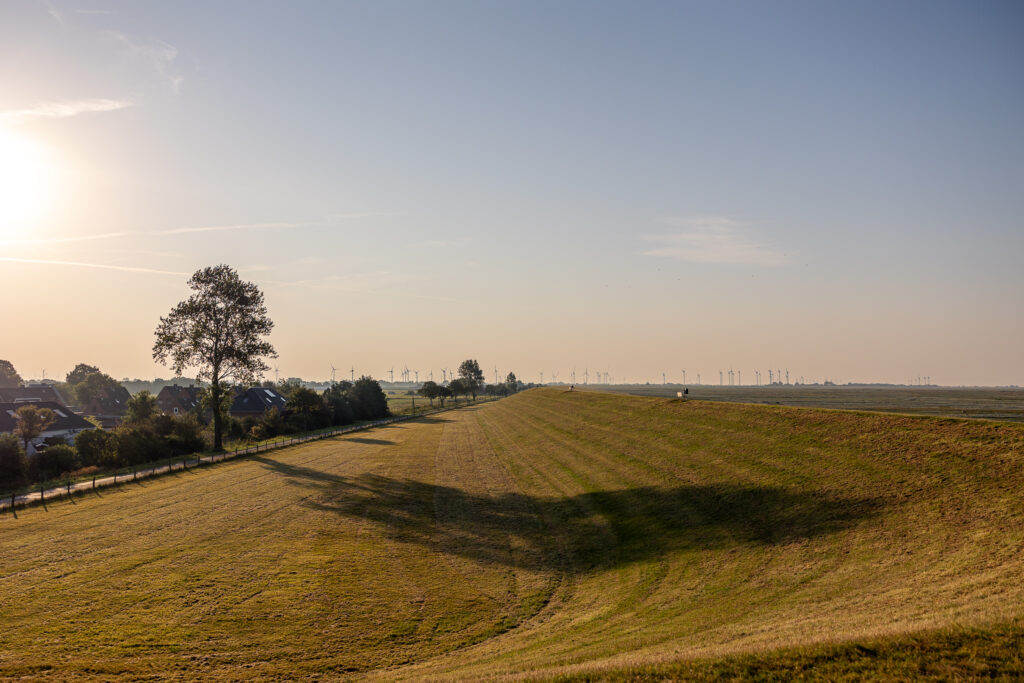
(62, 240)
(713, 239)
(159, 55)
(241, 226)
(100, 266)
(185, 231)
(63, 110)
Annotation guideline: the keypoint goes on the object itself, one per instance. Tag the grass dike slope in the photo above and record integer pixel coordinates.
(685, 530)
(552, 534)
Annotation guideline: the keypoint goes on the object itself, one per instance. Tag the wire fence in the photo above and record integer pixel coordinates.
(69, 488)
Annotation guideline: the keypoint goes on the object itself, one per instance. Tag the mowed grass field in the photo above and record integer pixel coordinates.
(549, 535)
(1005, 404)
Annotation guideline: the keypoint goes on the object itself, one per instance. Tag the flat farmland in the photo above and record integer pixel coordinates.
(554, 534)
(991, 403)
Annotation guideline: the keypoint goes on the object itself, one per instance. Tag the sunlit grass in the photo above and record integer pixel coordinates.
(552, 534)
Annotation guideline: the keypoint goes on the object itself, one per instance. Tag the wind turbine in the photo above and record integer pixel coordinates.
(739, 378)
(684, 376)
(573, 375)
(275, 374)
(719, 378)
(431, 376)
(391, 373)
(663, 380)
(333, 371)
(495, 374)
(586, 375)
(417, 373)
(352, 373)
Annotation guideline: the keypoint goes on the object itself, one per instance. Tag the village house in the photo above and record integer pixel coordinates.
(174, 399)
(256, 401)
(67, 425)
(33, 393)
(108, 406)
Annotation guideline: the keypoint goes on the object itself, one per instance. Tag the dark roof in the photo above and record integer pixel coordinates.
(65, 418)
(31, 394)
(257, 400)
(109, 401)
(174, 396)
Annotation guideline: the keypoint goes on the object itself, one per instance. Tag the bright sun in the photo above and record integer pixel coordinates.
(24, 184)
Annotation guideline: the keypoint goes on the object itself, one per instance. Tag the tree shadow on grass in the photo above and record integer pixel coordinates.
(372, 442)
(586, 532)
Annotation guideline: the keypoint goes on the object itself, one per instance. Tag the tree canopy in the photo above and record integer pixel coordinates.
(472, 376)
(92, 386)
(31, 421)
(9, 377)
(219, 331)
(81, 371)
(141, 407)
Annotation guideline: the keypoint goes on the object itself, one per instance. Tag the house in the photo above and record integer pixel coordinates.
(174, 399)
(67, 425)
(256, 401)
(108, 405)
(33, 393)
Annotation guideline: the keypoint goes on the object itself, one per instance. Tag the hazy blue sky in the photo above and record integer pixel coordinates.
(836, 188)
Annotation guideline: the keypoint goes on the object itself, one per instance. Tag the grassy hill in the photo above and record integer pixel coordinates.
(553, 534)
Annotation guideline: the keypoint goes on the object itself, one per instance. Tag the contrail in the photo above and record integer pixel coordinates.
(102, 266)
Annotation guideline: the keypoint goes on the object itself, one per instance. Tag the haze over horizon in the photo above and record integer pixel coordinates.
(836, 189)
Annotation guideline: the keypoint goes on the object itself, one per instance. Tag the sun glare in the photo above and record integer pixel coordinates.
(24, 184)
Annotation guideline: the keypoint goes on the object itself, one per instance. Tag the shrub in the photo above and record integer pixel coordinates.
(12, 462)
(53, 462)
(97, 448)
(187, 435)
(136, 445)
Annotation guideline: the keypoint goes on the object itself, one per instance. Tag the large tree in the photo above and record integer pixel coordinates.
(31, 421)
(81, 371)
(219, 331)
(93, 387)
(472, 376)
(9, 377)
(141, 408)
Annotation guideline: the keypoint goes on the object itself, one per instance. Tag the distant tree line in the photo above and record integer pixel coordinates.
(220, 331)
(342, 403)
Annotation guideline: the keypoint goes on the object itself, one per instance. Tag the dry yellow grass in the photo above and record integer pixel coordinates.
(550, 534)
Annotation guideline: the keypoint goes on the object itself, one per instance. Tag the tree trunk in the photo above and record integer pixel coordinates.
(215, 395)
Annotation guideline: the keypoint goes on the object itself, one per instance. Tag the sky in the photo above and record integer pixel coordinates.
(635, 188)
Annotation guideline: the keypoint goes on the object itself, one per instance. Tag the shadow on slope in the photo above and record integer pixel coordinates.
(586, 532)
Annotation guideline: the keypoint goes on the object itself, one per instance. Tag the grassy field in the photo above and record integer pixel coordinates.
(575, 536)
(992, 403)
